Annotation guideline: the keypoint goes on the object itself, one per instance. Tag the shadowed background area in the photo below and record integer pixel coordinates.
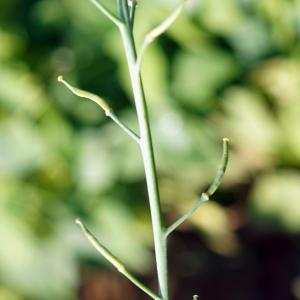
(225, 68)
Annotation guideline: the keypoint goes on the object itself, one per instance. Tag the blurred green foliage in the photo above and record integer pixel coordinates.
(226, 68)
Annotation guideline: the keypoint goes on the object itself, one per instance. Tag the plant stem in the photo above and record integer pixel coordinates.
(202, 199)
(148, 159)
(125, 23)
(130, 132)
(106, 12)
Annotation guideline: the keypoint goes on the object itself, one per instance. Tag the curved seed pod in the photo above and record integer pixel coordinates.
(222, 168)
(162, 27)
(87, 95)
(114, 260)
(103, 104)
(210, 191)
(157, 31)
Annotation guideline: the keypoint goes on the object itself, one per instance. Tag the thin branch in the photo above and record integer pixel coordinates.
(129, 131)
(115, 261)
(210, 191)
(103, 104)
(157, 31)
(107, 12)
(203, 198)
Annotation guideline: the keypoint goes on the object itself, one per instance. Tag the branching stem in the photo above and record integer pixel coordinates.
(129, 131)
(124, 22)
(149, 163)
(203, 198)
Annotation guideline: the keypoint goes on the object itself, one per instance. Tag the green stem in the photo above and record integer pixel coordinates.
(148, 159)
(160, 232)
(203, 198)
(106, 12)
(130, 132)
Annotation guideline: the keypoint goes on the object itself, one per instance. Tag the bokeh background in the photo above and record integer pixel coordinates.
(225, 68)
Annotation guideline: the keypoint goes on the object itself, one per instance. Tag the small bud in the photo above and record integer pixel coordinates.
(60, 78)
(77, 221)
(160, 29)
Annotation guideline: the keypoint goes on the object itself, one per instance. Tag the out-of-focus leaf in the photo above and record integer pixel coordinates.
(155, 75)
(199, 75)
(252, 130)
(213, 221)
(116, 233)
(220, 16)
(21, 92)
(21, 147)
(282, 16)
(280, 79)
(60, 135)
(48, 13)
(130, 164)
(187, 34)
(96, 165)
(7, 294)
(275, 199)
(185, 147)
(11, 44)
(25, 253)
(250, 40)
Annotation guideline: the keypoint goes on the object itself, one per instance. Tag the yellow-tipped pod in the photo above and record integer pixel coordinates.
(87, 95)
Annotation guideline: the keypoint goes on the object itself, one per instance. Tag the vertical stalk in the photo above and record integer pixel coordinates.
(147, 155)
